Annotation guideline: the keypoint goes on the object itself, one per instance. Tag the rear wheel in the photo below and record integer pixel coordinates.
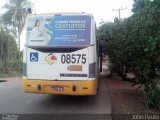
(97, 89)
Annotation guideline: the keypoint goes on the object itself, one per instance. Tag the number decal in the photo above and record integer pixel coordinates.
(83, 58)
(79, 55)
(63, 58)
(73, 58)
(68, 58)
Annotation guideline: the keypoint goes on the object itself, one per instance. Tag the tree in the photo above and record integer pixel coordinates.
(15, 15)
(114, 40)
(8, 49)
(135, 43)
(139, 4)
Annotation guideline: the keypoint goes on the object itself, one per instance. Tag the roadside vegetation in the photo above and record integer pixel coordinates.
(8, 50)
(133, 45)
(11, 25)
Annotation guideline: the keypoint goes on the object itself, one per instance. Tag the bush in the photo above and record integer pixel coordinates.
(152, 98)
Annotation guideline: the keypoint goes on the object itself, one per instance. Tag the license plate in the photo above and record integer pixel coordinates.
(57, 88)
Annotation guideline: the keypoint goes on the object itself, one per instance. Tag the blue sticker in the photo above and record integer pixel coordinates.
(34, 57)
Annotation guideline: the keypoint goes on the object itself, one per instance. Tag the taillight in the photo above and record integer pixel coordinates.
(92, 70)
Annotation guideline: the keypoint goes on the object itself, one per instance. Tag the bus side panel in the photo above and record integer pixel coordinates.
(25, 61)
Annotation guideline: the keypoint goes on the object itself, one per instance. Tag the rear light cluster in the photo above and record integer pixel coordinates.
(92, 70)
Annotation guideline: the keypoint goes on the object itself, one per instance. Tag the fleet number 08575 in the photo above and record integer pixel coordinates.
(73, 58)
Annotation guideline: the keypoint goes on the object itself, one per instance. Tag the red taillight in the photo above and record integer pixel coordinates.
(92, 70)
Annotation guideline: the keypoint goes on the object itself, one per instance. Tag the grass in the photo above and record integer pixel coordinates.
(9, 74)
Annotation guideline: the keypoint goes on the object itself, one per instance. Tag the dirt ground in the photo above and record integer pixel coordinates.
(126, 100)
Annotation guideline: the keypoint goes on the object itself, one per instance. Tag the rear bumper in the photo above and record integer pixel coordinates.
(88, 87)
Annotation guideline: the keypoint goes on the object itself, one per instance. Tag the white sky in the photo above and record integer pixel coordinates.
(101, 9)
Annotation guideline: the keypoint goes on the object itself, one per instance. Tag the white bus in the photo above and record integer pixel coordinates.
(61, 54)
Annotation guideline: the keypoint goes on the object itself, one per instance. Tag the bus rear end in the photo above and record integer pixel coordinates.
(67, 62)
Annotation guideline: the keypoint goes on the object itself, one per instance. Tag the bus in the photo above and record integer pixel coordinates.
(61, 54)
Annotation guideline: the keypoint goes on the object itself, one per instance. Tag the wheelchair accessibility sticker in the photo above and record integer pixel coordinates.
(34, 57)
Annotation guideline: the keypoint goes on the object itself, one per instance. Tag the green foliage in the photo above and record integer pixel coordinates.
(134, 43)
(139, 4)
(8, 50)
(157, 99)
(152, 98)
(12, 23)
(15, 15)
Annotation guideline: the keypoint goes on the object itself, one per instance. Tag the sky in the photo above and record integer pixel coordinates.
(101, 9)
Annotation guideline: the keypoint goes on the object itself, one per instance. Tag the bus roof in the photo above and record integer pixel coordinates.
(63, 14)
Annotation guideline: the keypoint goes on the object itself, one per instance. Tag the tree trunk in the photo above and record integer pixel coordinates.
(125, 70)
(19, 55)
(120, 71)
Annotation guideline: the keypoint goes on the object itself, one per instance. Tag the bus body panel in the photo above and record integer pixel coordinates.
(85, 87)
(47, 69)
